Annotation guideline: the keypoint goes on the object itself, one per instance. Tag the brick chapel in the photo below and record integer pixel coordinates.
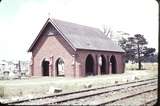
(72, 50)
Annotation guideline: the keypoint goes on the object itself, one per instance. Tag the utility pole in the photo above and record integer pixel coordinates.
(139, 61)
(19, 66)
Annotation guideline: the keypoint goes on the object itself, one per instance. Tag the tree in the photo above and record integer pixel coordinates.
(149, 52)
(140, 43)
(107, 31)
(128, 47)
(136, 49)
(123, 33)
(151, 58)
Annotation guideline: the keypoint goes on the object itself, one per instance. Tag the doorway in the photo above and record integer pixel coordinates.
(45, 68)
(114, 64)
(89, 65)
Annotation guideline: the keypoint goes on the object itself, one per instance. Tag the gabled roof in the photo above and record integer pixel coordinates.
(81, 37)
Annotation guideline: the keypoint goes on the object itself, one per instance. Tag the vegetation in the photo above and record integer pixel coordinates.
(107, 31)
(135, 47)
(152, 67)
(137, 51)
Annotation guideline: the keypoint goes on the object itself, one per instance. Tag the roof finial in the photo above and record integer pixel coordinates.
(49, 14)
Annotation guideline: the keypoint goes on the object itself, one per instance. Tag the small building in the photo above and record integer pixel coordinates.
(72, 50)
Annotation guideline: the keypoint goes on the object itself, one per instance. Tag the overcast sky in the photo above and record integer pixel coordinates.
(21, 20)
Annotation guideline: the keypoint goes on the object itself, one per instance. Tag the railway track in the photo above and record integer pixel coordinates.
(146, 97)
(74, 97)
(113, 96)
(129, 95)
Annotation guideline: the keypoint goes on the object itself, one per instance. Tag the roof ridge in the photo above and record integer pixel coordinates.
(54, 19)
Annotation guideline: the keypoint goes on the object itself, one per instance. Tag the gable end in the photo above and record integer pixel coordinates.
(52, 31)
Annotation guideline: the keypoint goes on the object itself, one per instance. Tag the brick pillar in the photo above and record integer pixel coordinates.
(110, 68)
(32, 67)
(74, 65)
(99, 67)
(54, 68)
(51, 66)
(99, 70)
(107, 65)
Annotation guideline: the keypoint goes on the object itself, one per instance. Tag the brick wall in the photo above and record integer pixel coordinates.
(52, 47)
(81, 59)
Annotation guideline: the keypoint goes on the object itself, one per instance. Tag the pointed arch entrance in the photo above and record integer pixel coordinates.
(113, 64)
(103, 65)
(89, 65)
(45, 67)
(60, 67)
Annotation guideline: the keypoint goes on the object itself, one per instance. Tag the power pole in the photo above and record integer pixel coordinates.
(19, 66)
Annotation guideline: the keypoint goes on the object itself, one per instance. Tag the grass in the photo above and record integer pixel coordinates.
(41, 85)
(145, 66)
